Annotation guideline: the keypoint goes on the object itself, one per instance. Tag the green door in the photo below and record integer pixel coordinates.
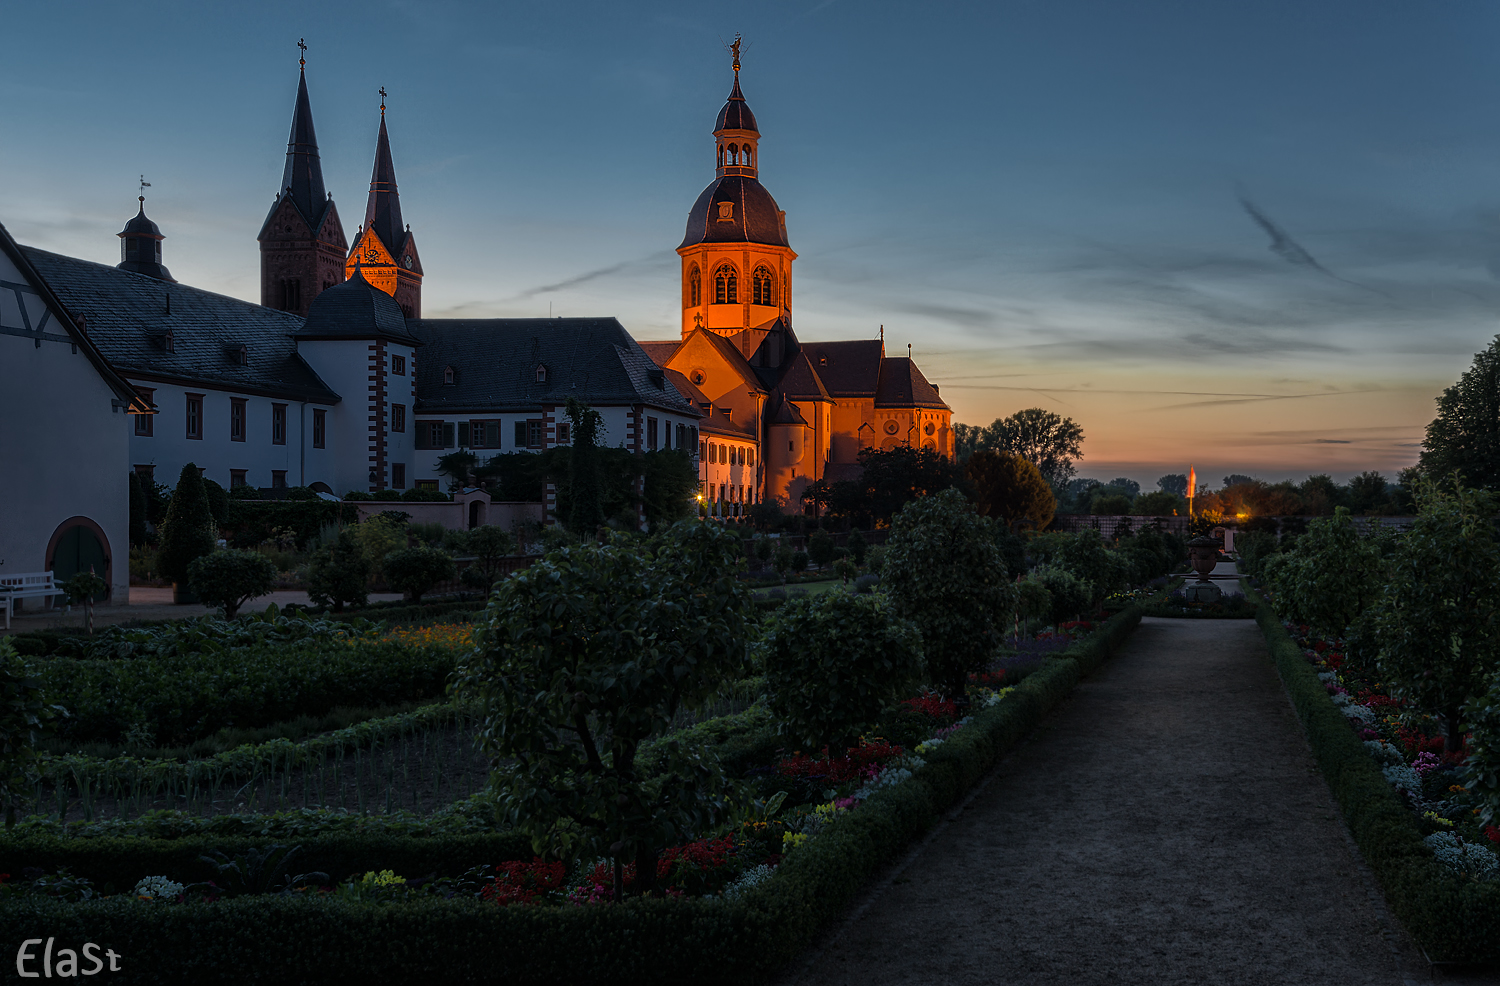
(77, 550)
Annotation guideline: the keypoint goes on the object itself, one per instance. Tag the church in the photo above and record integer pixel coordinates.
(335, 380)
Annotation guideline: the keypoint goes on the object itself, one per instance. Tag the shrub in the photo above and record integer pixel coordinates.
(218, 502)
(1033, 599)
(944, 572)
(834, 663)
(1254, 548)
(24, 716)
(231, 578)
(603, 643)
(857, 546)
(338, 574)
(820, 548)
(1332, 577)
(1068, 595)
(799, 562)
(433, 535)
(416, 570)
(418, 495)
(138, 533)
(378, 536)
(188, 530)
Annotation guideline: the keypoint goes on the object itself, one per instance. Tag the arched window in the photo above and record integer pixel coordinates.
(695, 287)
(721, 155)
(734, 153)
(726, 286)
(760, 283)
(749, 159)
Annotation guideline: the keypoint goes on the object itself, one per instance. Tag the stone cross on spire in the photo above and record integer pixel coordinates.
(302, 43)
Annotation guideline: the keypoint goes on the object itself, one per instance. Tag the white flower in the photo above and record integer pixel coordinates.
(748, 879)
(1464, 857)
(158, 888)
(1360, 712)
(1403, 778)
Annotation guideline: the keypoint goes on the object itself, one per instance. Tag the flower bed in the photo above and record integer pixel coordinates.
(747, 905)
(1401, 796)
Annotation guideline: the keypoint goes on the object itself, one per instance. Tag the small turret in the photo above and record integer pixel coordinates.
(140, 247)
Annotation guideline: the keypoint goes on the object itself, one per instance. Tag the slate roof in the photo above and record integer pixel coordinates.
(593, 359)
(847, 369)
(661, 352)
(356, 309)
(716, 420)
(757, 217)
(785, 413)
(736, 113)
(21, 257)
(127, 315)
(302, 178)
(902, 385)
(800, 381)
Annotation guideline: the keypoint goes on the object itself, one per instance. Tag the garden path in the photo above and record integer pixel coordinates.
(1165, 825)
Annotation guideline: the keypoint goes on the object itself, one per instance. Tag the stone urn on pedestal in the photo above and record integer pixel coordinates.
(1203, 555)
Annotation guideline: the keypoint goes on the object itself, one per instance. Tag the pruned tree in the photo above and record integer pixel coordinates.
(1464, 438)
(1010, 489)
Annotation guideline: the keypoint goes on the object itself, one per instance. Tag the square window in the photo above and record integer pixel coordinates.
(426, 484)
(398, 419)
(237, 477)
(320, 427)
(278, 479)
(398, 366)
(564, 432)
(195, 416)
(236, 419)
(278, 424)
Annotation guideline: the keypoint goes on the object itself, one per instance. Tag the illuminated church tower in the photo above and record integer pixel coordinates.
(383, 248)
(736, 262)
(302, 244)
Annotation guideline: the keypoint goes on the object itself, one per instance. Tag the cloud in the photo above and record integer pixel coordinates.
(651, 260)
(1332, 441)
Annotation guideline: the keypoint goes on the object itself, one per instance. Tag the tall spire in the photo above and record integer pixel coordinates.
(303, 175)
(383, 210)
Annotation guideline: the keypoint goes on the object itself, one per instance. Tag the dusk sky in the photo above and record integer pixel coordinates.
(1046, 200)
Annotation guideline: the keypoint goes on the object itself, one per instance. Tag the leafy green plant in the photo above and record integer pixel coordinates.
(857, 546)
(1332, 577)
(339, 574)
(579, 660)
(25, 715)
(835, 662)
(1434, 623)
(1068, 596)
(231, 578)
(944, 572)
(258, 871)
(188, 530)
(415, 571)
(377, 537)
(82, 587)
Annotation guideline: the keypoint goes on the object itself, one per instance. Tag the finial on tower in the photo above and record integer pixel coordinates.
(382, 100)
(736, 49)
(302, 43)
(142, 197)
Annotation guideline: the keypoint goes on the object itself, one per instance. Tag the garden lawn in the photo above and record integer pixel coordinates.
(1166, 825)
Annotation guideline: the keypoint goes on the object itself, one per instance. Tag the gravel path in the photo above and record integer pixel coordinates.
(1166, 825)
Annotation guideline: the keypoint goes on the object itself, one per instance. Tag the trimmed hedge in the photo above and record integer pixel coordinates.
(293, 939)
(1453, 919)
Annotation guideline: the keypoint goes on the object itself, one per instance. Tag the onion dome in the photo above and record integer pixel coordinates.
(140, 247)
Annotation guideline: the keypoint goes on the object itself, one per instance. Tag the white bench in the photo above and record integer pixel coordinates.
(27, 585)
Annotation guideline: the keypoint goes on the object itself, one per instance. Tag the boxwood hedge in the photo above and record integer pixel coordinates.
(1452, 918)
(292, 939)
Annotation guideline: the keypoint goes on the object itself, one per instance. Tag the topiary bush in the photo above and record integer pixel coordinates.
(231, 578)
(835, 663)
(820, 548)
(188, 530)
(338, 574)
(1069, 596)
(415, 571)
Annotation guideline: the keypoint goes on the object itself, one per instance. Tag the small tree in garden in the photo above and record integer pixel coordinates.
(820, 548)
(339, 573)
(799, 562)
(1464, 438)
(834, 663)
(25, 716)
(231, 579)
(1434, 623)
(1333, 576)
(415, 571)
(764, 547)
(188, 530)
(944, 573)
(1010, 489)
(1033, 599)
(82, 588)
(582, 657)
(783, 562)
(378, 536)
(857, 546)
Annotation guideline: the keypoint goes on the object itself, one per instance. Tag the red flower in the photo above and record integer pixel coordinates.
(934, 706)
(858, 761)
(520, 882)
(1492, 833)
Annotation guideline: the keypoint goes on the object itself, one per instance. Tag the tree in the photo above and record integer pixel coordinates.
(339, 573)
(378, 536)
(1235, 479)
(943, 571)
(1010, 489)
(1367, 491)
(415, 571)
(82, 587)
(1110, 504)
(1320, 494)
(585, 491)
(458, 466)
(231, 578)
(820, 548)
(1434, 623)
(967, 440)
(218, 502)
(188, 530)
(138, 511)
(1174, 483)
(582, 657)
(1128, 487)
(1048, 441)
(799, 562)
(892, 478)
(857, 546)
(834, 663)
(1158, 503)
(1464, 438)
(671, 480)
(1333, 576)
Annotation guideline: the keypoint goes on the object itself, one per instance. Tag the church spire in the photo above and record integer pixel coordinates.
(383, 210)
(302, 177)
(735, 130)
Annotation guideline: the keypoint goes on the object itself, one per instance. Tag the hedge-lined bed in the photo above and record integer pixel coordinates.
(298, 938)
(1451, 918)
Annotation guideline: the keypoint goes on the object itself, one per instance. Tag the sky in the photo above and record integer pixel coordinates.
(1254, 238)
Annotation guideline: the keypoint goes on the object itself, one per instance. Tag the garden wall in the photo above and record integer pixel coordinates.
(456, 515)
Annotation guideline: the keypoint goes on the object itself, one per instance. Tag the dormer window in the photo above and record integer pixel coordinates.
(239, 355)
(450, 375)
(541, 373)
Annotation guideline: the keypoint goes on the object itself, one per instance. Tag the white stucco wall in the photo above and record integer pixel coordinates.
(63, 441)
